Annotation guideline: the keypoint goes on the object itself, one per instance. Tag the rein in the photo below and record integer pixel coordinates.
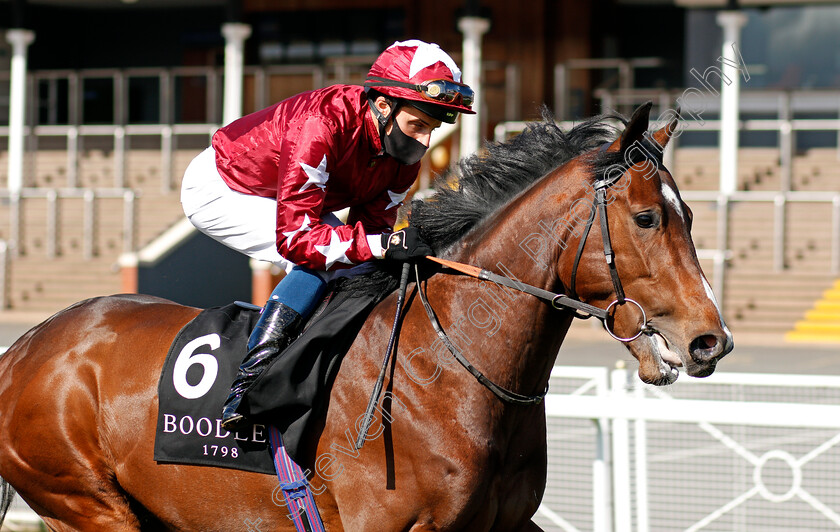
(502, 393)
(558, 301)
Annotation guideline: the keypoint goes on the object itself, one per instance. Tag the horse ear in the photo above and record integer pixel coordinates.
(635, 129)
(662, 136)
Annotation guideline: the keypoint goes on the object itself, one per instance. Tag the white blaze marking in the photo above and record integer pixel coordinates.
(671, 197)
(711, 295)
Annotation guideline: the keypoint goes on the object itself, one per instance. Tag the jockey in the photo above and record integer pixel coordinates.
(270, 182)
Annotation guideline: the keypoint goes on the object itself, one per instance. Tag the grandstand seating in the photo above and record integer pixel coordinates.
(44, 286)
(822, 321)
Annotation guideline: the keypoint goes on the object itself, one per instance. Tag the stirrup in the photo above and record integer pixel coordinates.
(233, 421)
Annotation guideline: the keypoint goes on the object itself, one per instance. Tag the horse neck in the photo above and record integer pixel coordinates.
(529, 329)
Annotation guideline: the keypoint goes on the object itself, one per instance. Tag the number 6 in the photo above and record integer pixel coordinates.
(186, 358)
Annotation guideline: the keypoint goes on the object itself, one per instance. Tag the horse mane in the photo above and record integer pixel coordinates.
(483, 183)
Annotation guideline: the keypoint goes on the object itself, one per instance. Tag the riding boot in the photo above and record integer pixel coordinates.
(274, 331)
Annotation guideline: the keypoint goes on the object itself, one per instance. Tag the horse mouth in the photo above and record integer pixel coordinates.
(664, 360)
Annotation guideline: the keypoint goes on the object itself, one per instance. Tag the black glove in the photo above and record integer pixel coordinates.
(405, 245)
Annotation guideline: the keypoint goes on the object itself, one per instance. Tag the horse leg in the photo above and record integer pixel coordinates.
(60, 526)
(85, 507)
(59, 463)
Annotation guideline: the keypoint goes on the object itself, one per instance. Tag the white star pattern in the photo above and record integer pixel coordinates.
(396, 198)
(303, 227)
(335, 251)
(427, 55)
(316, 176)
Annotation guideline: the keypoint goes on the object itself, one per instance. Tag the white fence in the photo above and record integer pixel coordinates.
(734, 452)
(737, 452)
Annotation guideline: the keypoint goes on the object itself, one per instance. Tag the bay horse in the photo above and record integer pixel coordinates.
(78, 399)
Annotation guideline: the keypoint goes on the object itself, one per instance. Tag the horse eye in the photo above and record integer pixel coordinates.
(646, 219)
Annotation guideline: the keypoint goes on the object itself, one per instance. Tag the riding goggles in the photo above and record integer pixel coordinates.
(443, 90)
(436, 90)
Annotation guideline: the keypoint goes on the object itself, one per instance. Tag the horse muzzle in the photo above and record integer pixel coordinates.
(660, 358)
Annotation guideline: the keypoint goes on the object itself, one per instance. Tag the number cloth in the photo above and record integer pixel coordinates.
(291, 394)
(195, 381)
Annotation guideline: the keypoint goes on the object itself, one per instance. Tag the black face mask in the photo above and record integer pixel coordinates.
(397, 144)
(401, 147)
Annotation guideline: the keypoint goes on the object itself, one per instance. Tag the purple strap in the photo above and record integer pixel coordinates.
(299, 499)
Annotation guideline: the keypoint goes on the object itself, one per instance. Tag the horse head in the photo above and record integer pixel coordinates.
(533, 208)
(670, 317)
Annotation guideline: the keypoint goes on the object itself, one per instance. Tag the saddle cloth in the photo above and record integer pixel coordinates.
(199, 369)
(290, 394)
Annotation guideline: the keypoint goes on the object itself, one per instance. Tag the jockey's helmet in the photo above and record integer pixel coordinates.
(423, 75)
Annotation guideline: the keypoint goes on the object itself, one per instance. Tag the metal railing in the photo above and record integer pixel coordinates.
(785, 105)
(750, 451)
(625, 79)
(121, 134)
(780, 201)
(58, 107)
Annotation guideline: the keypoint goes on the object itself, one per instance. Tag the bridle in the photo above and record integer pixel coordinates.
(599, 206)
(559, 301)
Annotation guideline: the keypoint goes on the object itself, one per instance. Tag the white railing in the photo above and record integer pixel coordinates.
(739, 452)
(780, 201)
(120, 136)
(90, 215)
(784, 104)
(53, 90)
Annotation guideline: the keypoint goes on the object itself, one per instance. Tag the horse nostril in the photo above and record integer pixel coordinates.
(705, 348)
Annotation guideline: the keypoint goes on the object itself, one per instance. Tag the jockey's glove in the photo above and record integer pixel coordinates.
(405, 245)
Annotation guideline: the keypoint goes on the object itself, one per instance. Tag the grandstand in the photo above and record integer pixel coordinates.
(71, 225)
(102, 172)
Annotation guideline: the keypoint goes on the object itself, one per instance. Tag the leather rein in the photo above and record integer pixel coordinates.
(559, 301)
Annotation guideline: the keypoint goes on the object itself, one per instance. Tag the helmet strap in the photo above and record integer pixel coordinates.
(382, 119)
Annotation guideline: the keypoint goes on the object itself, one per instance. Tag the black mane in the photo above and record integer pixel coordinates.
(487, 181)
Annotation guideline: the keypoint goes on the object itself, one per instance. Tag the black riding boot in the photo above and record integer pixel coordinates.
(274, 331)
